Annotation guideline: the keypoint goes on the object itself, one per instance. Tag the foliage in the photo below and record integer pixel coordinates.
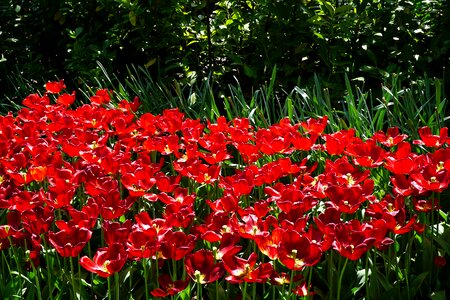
(191, 40)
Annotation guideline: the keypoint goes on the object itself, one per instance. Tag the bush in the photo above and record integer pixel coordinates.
(189, 40)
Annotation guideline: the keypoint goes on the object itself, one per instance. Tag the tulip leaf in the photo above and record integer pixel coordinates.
(443, 215)
(414, 286)
(186, 293)
(216, 292)
(31, 295)
(384, 281)
(443, 243)
(122, 219)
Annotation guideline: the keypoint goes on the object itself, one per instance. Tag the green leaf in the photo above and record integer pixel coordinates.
(122, 219)
(320, 36)
(415, 285)
(317, 20)
(272, 82)
(78, 31)
(361, 277)
(445, 245)
(443, 215)
(250, 72)
(330, 9)
(186, 293)
(343, 9)
(290, 108)
(132, 18)
(396, 247)
(216, 292)
(385, 282)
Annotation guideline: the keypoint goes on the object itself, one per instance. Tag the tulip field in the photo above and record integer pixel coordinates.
(104, 201)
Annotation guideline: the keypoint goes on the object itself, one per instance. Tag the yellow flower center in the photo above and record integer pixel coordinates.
(105, 266)
(199, 277)
(350, 180)
(207, 177)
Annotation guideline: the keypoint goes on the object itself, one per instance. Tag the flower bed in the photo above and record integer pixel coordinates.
(171, 206)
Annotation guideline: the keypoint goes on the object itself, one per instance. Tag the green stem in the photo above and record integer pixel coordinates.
(388, 271)
(174, 270)
(116, 283)
(217, 289)
(91, 275)
(144, 265)
(49, 267)
(199, 291)
(16, 259)
(3, 280)
(330, 275)
(72, 279)
(130, 281)
(366, 283)
(36, 279)
(432, 217)
(199, 285)
(79, 267)
(157, 270)
(407, 283)
(109, 288)
(244, 292)
(291, 282)
(36, 276)
(340, 280)
(309, 281)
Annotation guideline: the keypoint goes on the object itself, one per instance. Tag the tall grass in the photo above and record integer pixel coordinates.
(422, 103)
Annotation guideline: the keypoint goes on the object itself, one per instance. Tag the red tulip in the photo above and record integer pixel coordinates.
(439, 261)
(66, 99)
(142, 244)
(246, 270)
(336, 142)
(101, 97)
(176, 245)
(107, 261)
(70, 241)
(202, 268)
(296, 251)
(430, 140)
(116, 232)
(315, 125)
(391, 138)
(366, 154)
(54, 87)
(168, 287)
(352, 239)
(38, 220)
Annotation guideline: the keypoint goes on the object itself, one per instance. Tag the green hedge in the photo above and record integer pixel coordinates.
(188, 40)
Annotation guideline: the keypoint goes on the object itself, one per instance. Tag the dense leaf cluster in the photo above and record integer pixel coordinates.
(188, 40)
